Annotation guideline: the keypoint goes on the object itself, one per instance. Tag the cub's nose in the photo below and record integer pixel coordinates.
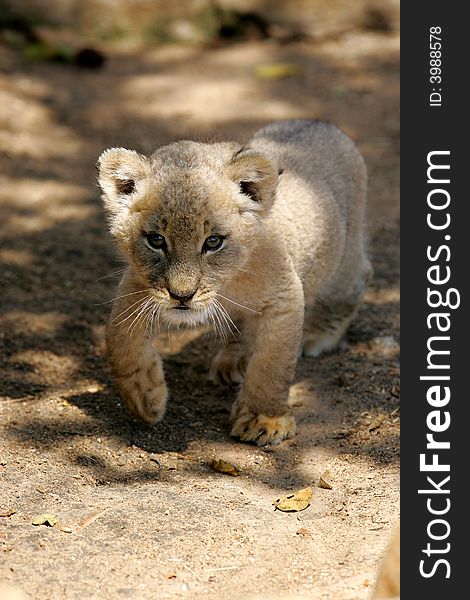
(182, 296)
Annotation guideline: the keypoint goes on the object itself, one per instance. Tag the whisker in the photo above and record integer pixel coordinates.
(123, 296)
(142, 300)
(211, 321)
(219, 330)
(120, 272)
(138, 319)
(134, 320)
(238, 304)
(141, 316)
(148, 319)
(140, 312)
(159, 310)
(153, 319)
(128, 308)
(227, 317)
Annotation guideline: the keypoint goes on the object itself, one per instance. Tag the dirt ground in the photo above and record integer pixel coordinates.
(141, 513)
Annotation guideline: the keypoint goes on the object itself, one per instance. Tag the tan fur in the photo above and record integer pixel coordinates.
(291, 273)
(388, 581)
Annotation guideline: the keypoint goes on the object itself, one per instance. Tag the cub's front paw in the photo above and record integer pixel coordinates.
(145, 393)
(261, 429)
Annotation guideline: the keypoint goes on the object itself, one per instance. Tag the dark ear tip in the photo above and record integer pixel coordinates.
(280, 171)
(125, 186)
(249, 189)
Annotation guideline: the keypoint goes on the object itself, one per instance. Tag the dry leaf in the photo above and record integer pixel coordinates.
(294, 502)
(325, 481)
(7, 512)
(45, 519)
(303, 532)
(278, 70)
(377, 422)
(90, 518)
(221, 466)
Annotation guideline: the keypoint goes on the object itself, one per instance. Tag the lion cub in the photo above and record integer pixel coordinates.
(264, 243)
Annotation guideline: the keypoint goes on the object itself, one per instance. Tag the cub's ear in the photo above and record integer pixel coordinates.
(256, 176)
(119, 171)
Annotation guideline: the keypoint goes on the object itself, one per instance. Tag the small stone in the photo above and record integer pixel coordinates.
(66, 529)
(325, 481)
(343, 380)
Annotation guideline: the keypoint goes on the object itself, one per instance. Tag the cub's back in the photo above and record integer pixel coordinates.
(321, 197)
(320, 154)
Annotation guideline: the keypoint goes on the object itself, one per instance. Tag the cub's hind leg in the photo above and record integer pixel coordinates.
(325, 325)
(327, 321)
(228, 365)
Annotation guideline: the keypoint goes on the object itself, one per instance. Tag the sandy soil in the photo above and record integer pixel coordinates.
(141, 513)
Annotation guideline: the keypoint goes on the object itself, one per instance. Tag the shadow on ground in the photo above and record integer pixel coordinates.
(55, 256)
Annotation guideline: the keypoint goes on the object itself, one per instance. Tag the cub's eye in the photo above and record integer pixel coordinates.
(155, 241)
(213, 243)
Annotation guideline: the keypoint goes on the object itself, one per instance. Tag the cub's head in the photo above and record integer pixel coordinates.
(186, 218)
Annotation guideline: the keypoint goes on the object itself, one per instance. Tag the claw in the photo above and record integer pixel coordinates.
(261, 429)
